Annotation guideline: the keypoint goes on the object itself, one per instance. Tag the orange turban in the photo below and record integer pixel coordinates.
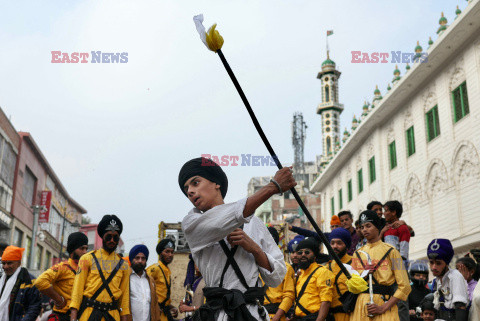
(335, 220)
(12, 253)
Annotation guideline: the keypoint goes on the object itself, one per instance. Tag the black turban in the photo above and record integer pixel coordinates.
(273, 231)
(109, 222)
(163, 244)
(372, 217)
(205, 168)
(76, 240)
(311, 244)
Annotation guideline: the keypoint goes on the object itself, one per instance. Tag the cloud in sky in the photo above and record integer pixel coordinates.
(117, 134)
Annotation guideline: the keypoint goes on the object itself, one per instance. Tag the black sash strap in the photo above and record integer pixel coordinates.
(169, 285)
(165, 309)
(100, 309)
(71, 268)
(231, 261)
(337, 277)
(377, 265)
(105, 282)
(302, 291)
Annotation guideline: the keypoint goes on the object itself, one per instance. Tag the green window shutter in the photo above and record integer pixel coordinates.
(332, 200)
(460, 102)
(410, 141)
(340, 199)
(393, 155)
(465, 107)
(360, 181)
(371, 166)
(457, 104)
(350, 191)
(432, 123)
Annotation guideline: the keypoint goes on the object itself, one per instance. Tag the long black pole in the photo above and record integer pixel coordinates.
(279, 165)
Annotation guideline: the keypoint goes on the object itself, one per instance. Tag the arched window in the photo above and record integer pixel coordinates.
(334, 92)
(327, 93)
(329, 145)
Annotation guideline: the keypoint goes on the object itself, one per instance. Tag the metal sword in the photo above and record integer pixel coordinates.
(370, 281)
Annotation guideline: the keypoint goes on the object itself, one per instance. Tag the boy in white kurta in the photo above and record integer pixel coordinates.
(449, 286)
(214, 229)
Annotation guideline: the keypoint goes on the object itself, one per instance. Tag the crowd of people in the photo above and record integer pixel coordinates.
(237, 272)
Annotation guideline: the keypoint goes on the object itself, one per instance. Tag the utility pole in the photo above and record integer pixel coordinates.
(36, 210)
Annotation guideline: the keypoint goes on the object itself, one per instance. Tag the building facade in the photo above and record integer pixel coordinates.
(419, 143)
(33, 174)
(9, 144)
(284, 208)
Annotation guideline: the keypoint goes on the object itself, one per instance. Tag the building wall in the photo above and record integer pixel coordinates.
(438, 185)
(21, 207)
(49, 235)
(9, 144)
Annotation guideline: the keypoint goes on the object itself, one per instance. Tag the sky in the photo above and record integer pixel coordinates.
(117, 134)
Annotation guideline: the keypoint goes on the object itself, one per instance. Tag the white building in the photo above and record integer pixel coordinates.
(419, 144)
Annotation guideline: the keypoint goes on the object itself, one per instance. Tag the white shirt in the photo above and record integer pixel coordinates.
(454, 289)
(475, 308)
(140, 298)
(204, 230)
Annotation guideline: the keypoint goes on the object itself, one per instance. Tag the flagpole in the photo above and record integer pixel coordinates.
(327, 43)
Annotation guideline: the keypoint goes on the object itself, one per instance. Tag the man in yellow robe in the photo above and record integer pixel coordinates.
(314, 290)
(390, 278)
(161, 275)
(280, 299)
(57, 281)
(341, 241)
(101, 288)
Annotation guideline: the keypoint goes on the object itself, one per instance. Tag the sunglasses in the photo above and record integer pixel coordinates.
(306, 252)
(113, 237)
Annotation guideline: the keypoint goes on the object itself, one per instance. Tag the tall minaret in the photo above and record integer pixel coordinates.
(330, 109)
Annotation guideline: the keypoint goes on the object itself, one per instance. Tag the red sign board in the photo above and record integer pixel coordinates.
(46, 200)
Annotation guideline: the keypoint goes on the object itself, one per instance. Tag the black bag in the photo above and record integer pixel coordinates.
(348, 300)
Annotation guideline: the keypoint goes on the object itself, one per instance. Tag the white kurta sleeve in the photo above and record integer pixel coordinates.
(459, 288)
(274, 255)
(204, 229)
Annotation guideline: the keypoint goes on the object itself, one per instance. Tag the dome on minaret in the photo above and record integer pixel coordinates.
(443, 21)
(418, 50)
(328, 64)
(407, 67)
(430, 41)
(443, 24)
(458, 12)
(378, 96)
(396, 73)
(365, 107)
